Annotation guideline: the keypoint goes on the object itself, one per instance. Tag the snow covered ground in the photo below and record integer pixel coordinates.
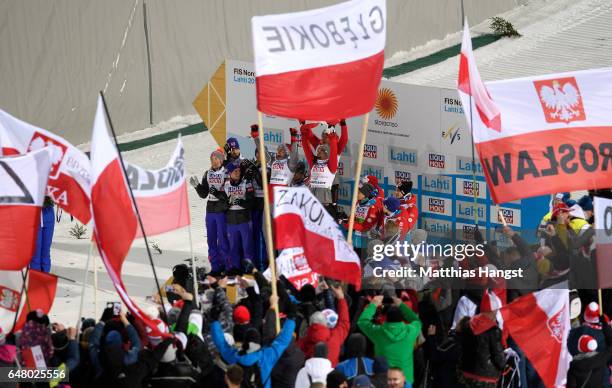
(69, 255)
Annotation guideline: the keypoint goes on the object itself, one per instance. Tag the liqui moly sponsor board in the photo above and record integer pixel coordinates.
(512, 216)
(437, 228)
(464, 232)
(467, 188)
(436, 205)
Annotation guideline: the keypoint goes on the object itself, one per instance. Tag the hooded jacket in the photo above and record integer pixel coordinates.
(393, 340)
(286, 369)
(265, 358)
(356, 362)
(314, 371)
(483, 354)
(332, 337)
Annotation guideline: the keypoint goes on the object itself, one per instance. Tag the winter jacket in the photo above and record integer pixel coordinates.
(332, 337)
(483, 355)
(587, 369)
(324, 195)
(286, 369)
(204, 191)
(33, 334)
(314, 371)
(239, 208)
(314, 140)
(393, 340)
(95, 347)
(265, 358)
(443, 356)
(356, 366)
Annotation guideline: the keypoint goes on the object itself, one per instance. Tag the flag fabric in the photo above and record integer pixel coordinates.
(69, 179)
(23, 180)
(301, 221)
(40, 290)
(539, 323)
(293, 265)
(602, 210)
(320, 64)
(113, 212)
(554, 131)
(161, 195)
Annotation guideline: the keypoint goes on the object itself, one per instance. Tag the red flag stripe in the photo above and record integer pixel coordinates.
(18, 232)
(322, 93)
(175, 212)
(41, 289)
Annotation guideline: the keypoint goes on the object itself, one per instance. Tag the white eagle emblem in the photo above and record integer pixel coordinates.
(561, 101)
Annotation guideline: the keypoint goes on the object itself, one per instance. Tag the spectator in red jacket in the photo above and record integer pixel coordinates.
(319, 332)
(367, 215)
(404, 217)
(314, 141)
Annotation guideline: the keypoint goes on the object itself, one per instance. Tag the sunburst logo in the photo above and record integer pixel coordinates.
(386, 104)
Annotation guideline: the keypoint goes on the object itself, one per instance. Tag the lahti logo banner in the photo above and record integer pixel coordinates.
(320, 64)
(300, 220)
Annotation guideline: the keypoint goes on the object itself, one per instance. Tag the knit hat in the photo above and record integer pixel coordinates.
(356, 346)
(394, 314)
(335, 378)
(232, 142)
(392, 204)
(231, 167)
(38, 316)
(87, 323)
(405, 187)
(324, 148)
(320, 350)
(218, 153)
(331, 318)
(113, 338)
(591, 313)
(560, 207)
(380, 365)
(367, 190)
(586, 344)
(318, 317)
(362, 381)
(586, 203)
(241, 315)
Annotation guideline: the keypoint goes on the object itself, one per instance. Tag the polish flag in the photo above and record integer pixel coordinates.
(69, 179)
(300, 220)
(470, 85)
(539, 134)
(320, 64)
(23, 180)
(161, 195)
(113, 212)
(540, 323)
(39, 295)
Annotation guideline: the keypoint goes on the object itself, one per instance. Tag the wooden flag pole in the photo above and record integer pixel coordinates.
(600, 301)
(364, 132)
(267, 218)
(501, 216)
(78, 325)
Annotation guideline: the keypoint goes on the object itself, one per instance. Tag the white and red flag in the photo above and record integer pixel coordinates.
(40, 289)
(539, 323)
(23, 180)
(300, 220)
(553, 133)
(161, 195)
(320, 64)
(602, 210)
(69, 179)
(112, 208)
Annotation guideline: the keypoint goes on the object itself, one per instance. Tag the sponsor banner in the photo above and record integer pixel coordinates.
(465, 210)
(377, 171)
(437, 183)
(437, 228)
(465, 232)
(464, 166)
(512, 216)
(466, 187)
(436, 161)
(436, 205)
(404, 156)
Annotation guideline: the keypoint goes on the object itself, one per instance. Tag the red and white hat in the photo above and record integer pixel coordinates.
(586, 344)
(591, 313)
(162, 327)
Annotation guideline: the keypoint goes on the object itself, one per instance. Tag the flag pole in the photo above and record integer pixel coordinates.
(472, 139)
(95, 283)
(78, 324)
(600, 300)
(144, 235)
(267, 218)
(364, 132)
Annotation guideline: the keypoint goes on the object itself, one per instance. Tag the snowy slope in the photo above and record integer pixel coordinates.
(558, 36)
(69, 255)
